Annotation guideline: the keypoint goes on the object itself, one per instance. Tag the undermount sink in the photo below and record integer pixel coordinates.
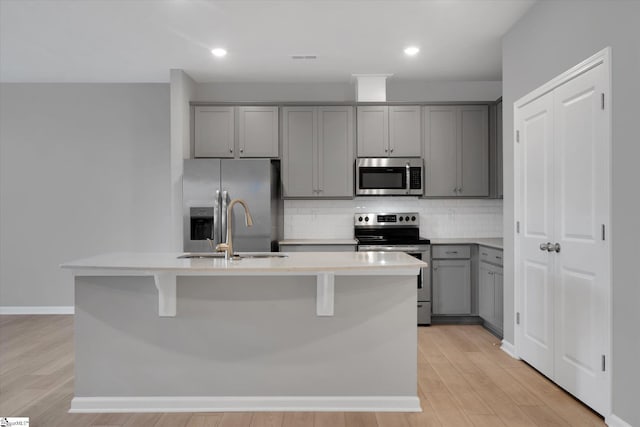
(203, 255)
(209, 255)
(264, 255)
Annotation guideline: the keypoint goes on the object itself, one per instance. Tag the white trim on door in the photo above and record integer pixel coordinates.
(602, 58)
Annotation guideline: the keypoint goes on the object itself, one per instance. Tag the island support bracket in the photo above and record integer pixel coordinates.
(167, 296)
(325, 294)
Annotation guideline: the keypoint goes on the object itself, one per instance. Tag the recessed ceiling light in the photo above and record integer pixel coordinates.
(411, 50)
(218, 52)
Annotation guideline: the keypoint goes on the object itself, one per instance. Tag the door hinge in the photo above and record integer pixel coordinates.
(603, 233)
(602, 97)
(518, 227)
(517, 136)
(604, 365)
(517, 318)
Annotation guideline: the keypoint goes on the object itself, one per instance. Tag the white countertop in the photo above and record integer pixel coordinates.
(496, 242)
(319, 242)
(296, 262)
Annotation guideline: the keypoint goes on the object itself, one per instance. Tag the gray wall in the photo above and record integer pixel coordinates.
(397, 91)
(551, 38)
(84, 169)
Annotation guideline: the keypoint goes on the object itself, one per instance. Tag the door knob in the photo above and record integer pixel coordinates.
(556, 247)
(546, 247)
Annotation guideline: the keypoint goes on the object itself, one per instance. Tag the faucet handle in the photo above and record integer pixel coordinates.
(222, 247)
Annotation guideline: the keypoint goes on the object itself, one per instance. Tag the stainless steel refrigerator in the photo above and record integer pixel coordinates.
(208, 185)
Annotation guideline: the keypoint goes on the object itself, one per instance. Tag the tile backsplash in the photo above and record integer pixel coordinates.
(443, 218)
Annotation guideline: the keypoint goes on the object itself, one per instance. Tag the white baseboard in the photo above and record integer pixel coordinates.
(614, 421)
(38, 309)
(246, 404)
(509, 348)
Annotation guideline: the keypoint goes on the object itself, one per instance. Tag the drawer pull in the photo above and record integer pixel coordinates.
(419, 305)
(485, 254)
(451, 252)
(498, 257)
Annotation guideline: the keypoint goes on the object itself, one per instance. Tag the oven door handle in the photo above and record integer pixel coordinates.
(379, 248)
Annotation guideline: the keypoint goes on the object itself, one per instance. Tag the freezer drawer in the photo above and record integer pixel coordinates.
(424, 313)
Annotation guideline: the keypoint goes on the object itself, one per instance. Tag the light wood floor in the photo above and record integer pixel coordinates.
(464, 380)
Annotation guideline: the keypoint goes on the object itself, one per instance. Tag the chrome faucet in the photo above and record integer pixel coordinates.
(227, 247)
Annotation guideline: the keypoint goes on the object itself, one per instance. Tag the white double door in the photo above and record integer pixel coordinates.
(562, 249)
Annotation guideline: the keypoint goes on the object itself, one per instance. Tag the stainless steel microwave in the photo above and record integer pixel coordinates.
(389, 177)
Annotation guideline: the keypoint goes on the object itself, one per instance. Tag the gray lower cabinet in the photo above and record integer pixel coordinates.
(317, 152)
(456, 150)
(490, 289)
(221, 131)
(451, 281)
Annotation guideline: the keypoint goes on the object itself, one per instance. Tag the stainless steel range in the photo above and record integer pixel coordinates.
(398, 232)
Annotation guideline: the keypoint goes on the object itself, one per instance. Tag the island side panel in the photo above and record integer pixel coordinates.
(246, 336)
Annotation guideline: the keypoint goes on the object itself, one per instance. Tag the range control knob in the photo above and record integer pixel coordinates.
(366, 218)
(413, 218)
(406, 218)
(359, 219)
(400, 218)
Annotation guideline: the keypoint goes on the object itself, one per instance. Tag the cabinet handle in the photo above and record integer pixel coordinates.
(231, 150)
(451, 252)
(392, 150)
(386, 150)
(435, 268)
(491, 273)
(460, 190)
(241, 150)
(484, 253)
(498, 257)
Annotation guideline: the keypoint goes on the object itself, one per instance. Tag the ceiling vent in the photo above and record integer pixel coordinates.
(304, 57)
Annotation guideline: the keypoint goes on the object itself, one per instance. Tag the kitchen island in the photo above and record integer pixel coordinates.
(309, 331)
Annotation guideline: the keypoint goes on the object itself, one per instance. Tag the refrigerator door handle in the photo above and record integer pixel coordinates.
(223, 216)
(216, 222)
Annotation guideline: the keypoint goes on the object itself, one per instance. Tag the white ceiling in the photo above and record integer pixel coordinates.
(140, 40)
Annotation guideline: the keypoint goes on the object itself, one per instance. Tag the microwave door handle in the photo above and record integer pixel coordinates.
(408, 178)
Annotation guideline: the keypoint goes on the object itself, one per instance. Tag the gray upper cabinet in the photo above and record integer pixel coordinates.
(235, 131)
(318, 152)
(299, 141)
(258, 131)
(389, 131)
(456, 150)
(373, 131)
(335, 151)
(214, 132)
(441, 152)
(404, 131)
(473, 170)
